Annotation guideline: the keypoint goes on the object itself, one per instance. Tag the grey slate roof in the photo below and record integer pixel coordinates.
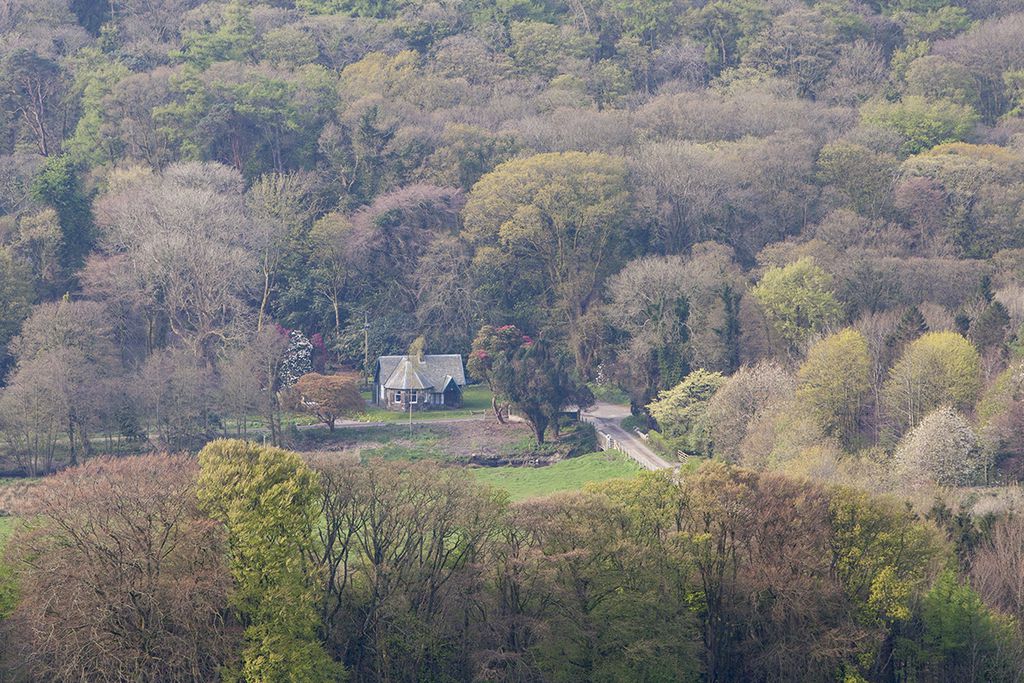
(434, 372)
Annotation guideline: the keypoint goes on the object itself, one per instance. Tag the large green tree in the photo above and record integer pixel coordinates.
(834, 382)
(58, 185)
(528, 374)
(797, 300)
(939, 368)
(681, 412)
(561, 218)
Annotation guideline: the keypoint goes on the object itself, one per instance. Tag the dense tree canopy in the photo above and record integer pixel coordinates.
(797, 300)
(527, 374)
(406, 571)
(790, 235)
(937, 368)
(560, 218)
(681, 411)
(834, 381)
(266, 500)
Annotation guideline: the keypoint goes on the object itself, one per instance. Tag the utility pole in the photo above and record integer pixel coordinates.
(366, 348)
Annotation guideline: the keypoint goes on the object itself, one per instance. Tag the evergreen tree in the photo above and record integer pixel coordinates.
(911, 326)
(57, 185)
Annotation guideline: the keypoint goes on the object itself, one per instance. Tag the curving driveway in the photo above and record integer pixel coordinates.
(606, 418)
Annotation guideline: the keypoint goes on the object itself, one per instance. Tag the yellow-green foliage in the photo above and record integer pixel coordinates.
(794, 432)
(798, 300)
(379, 74)
(558, 207)
(938, 368)
(650, 499)
(881, 552)
(523, 198)
(266, 498)
(556, 221)
(681, 411)
(834, 381)
(920, 122)
(1007, 388)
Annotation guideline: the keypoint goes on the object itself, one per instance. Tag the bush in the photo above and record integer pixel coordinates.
(583, 439)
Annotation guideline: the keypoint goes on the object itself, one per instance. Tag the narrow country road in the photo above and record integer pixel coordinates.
(606, 418)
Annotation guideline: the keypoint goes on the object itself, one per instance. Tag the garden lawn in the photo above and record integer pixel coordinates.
(565, 475)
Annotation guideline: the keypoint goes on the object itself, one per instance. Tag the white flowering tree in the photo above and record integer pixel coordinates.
(943, 449)
(297, 360)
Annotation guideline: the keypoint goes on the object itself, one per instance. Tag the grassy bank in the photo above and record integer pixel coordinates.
(7, 587)
(566, 475)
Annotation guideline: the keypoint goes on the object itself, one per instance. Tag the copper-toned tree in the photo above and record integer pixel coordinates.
(120, 576)
(329, 396)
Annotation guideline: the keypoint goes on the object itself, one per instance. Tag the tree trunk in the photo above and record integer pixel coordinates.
(497, 409)
(539, 425)
(71, 441)
(263, 301)
(83, 438)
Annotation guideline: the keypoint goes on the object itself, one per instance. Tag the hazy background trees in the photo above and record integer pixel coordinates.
(883, 130)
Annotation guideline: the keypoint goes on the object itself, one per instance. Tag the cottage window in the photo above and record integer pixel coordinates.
(412, 396)
(398, 397)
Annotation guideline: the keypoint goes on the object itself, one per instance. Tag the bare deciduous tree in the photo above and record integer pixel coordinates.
(998, 568)
(120, 577)
(182, 235)
(65, 347)
(409, 536)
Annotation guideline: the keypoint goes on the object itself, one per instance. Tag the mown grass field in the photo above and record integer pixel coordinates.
(565, 475)
(476, 401)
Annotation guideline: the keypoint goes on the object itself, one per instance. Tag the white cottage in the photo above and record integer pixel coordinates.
(421, 383)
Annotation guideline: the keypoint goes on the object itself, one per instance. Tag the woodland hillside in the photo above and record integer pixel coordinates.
(788, 233)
